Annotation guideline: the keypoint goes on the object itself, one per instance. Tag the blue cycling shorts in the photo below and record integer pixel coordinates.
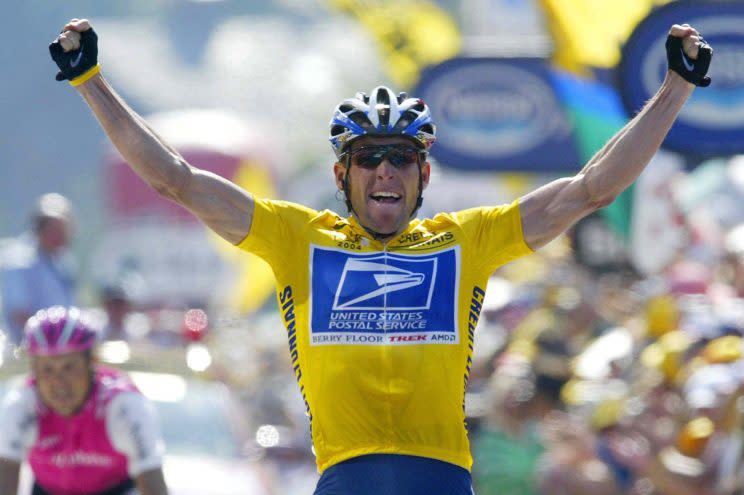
(393, 474)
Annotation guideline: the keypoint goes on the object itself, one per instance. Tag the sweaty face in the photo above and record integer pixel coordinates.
(383, 181)
(63, 381)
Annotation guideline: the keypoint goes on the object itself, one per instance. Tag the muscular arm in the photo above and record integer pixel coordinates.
(221, 205)
(551, 209)
(9, 473)
(151, 483)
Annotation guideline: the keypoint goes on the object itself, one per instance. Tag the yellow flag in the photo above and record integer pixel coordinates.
(411, 34)
(591, 32)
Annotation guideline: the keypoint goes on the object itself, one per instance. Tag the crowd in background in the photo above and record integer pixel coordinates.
(617, 382)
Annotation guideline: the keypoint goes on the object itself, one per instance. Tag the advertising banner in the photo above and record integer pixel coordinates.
(499, 114)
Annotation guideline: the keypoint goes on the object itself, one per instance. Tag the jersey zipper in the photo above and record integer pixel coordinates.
(385, 294)
(386, 348)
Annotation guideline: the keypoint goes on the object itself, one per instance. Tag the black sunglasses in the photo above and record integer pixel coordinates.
(370, 157)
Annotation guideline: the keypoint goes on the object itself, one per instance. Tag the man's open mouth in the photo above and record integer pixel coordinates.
(385, 197)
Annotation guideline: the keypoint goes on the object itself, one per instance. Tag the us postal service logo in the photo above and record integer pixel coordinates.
(383, 298)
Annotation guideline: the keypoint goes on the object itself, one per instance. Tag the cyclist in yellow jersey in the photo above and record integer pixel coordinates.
(380, 307)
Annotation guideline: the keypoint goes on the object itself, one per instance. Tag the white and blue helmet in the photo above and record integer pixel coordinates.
(382, 113)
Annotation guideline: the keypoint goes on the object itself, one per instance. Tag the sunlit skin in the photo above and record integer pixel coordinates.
(383, 217)
(63, 381)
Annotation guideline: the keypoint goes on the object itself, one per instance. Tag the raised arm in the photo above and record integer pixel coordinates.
(553, 208)
(220, 204)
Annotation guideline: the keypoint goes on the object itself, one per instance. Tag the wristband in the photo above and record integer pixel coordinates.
(74, 64)
(86, 75)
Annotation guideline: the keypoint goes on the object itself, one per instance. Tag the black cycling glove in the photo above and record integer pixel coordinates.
(691, 70)
(75, 63)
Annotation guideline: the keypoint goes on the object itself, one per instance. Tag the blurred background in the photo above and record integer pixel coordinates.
(609, 362)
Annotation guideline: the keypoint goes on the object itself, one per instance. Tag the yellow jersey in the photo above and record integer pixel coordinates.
(381, 336)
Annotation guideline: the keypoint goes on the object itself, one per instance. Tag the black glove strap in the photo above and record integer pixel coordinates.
(75, 62)
(692, 71)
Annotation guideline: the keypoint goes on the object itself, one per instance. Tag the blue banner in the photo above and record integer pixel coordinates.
(498, 114)
(712, 121)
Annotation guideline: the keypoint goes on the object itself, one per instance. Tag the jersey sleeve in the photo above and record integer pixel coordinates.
(275, 230)
(19, 428)
(495, 233)
(133, 428)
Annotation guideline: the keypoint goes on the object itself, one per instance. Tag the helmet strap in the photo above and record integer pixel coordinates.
(420, 197)
(347, 192)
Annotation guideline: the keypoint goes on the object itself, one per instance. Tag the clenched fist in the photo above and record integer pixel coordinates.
(688, 54)
(75, 50)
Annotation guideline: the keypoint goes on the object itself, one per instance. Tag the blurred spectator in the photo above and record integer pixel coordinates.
(571, 464)
(524, 390)
(38, 271)
(733, 263)
(117, 306)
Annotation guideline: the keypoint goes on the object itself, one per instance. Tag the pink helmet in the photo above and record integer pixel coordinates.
(58, 330)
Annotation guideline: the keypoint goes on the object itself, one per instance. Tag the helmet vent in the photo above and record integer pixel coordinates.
(345, 108)
(383, 97)
(405, 120)
(384, 116)
(383, 108)
(360, 119)
(337, 130)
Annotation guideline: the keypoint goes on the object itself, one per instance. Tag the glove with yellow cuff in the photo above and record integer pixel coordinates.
(77, 66)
